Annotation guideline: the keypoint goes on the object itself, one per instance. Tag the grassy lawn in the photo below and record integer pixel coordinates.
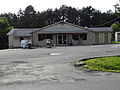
(116, 42)
(109, 64)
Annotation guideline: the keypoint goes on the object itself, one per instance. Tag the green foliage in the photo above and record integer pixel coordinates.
(116, 42)
(116, 27)
(3, 23)
(4, 29)
(87, 16)
(111, 64)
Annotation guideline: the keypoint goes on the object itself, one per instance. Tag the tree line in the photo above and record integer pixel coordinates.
(86, 17)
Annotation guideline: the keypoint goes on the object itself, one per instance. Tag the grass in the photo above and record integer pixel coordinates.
(109, 64)
(116, 42)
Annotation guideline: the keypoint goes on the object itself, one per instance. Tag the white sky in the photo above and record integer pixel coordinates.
(40, 5)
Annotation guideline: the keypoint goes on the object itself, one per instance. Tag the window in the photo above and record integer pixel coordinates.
(44, 36)
(75, 36)
(41, 37)
(49, 36)
(83, 36)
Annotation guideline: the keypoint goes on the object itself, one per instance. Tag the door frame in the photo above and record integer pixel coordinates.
(62, 36)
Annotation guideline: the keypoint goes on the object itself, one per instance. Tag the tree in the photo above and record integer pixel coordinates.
(4, 29)
(116, 26)
(27, 18)
(86, 16)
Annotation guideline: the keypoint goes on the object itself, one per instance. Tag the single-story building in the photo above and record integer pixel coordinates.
(61, 34)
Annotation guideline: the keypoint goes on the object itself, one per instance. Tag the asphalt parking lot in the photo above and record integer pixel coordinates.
(53, 68)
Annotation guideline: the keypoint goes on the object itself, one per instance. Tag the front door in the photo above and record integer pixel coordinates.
(62, 39)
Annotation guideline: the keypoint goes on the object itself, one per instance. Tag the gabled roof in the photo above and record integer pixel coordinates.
(63, 29)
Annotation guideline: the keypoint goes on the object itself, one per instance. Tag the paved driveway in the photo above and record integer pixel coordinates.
(53, 69)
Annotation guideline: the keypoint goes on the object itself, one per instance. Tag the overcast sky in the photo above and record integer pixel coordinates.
(40, 5)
